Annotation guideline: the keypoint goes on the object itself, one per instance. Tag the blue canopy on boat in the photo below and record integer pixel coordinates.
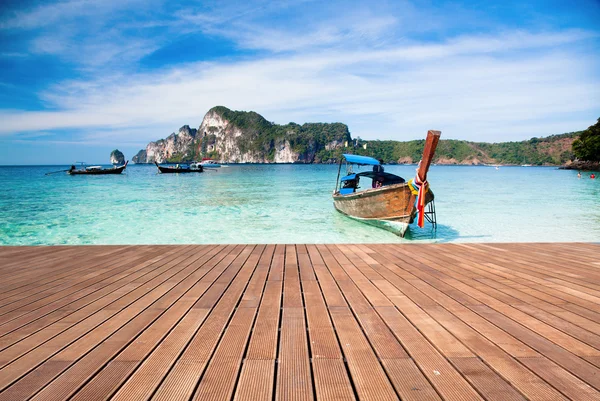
(361, 160)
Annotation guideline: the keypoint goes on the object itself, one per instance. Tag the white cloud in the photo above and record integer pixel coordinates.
(470, 87)
(91, 34)
(364, 31)
(326, 63)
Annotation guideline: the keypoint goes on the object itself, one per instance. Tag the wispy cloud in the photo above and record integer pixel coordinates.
(363, 31)
(63, 11)
(87, 33)
(469, 85)
(387, 71)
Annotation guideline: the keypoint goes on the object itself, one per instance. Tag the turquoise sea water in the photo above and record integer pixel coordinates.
(286, 204)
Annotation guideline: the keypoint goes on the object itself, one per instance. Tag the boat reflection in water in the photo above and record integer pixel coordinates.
(391, 203)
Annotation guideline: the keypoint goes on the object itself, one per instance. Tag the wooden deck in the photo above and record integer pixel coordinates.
(300, 322)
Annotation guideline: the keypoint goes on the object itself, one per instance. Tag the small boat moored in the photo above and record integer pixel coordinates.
(210, 163)
(97, 170)
(181, 168)
(390, 202)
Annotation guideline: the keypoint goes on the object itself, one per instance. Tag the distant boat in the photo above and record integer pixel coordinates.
(390, 204)
(97, 170)
(181, 168)
(525, 165)
(497, 167)
(210, 163)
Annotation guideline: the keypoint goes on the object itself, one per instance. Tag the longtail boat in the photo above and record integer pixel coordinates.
(390, 203)
(97, 170)
(192, 168)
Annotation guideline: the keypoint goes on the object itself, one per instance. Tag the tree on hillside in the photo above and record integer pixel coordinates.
(587, 146)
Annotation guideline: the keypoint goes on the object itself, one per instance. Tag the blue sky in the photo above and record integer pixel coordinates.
(79, 78)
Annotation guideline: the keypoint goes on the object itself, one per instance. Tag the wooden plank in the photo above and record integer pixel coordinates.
(527, 297)
(260, 355)
(489, 384)
(178, 384)
(43, 318)
(452, 386)
(579, 367)
(409, 381)
(294, 380)
(121, 364)
(514, 373)
(90, 313)
(53, 311)
(221, 374)
(40, 375)
(332, 381)
(219, 379)
(256, 380)
(565, 382)
(325, 322)
(63, 332)
(32, 280)
(541, 329)
(25, 297)
(369, 378)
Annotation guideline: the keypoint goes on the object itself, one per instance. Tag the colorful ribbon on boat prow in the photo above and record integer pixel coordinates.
(419, 188)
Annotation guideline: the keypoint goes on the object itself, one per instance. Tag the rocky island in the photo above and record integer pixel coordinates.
(117, 157)
(247, 137)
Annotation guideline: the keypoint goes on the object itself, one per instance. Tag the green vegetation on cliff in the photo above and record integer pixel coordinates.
(262, 140)
(261, 137)
(554, 149)
(587, 146)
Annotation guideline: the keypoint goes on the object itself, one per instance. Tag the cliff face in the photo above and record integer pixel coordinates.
(117, 157)
(246, 137)
(175, 145)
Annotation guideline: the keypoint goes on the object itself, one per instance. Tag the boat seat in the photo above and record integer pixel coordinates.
(346, 191)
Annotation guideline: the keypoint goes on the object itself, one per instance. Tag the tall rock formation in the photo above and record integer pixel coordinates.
(247, 137)
(117, 157)
(176, 147)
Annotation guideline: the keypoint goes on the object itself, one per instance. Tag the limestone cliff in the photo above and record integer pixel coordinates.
(177, 146)
(247, 137)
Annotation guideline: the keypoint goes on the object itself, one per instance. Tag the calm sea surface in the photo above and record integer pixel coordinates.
(286, 204)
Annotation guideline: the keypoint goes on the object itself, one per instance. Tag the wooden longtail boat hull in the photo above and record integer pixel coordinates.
(173, 170)
(114, 170)
(391, 207)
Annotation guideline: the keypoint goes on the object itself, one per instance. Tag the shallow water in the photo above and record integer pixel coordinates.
(286, 204)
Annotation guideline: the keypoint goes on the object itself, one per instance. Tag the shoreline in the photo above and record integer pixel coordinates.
(582, 166)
